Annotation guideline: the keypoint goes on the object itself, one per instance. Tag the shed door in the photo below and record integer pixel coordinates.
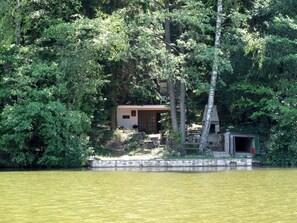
(147, 121)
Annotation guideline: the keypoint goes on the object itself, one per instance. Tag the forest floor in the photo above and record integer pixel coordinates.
(131, 145)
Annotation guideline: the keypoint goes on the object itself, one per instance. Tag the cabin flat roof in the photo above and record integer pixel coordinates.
(145, 107)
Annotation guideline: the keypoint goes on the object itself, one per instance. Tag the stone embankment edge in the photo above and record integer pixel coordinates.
(95, 163)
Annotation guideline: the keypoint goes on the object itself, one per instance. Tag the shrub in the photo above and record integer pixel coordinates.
(282, 147)
(47, 135)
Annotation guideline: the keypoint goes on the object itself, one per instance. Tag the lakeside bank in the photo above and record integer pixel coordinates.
(217, 162)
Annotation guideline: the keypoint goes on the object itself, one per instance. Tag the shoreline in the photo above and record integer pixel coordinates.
(164, 163)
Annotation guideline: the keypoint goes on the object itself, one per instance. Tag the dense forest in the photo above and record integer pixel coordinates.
(65, 66)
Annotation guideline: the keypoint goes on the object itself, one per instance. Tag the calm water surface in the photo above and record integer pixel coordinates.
(262, 195)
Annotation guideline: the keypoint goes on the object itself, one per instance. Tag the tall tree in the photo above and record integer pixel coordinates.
(182, 100)
(214, 75)
(171, 81)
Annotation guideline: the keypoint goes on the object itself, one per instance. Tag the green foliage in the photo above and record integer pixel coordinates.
(34, 17)
(281, 149)
(78, 59)
(48, 135)
(51, 91)
(262, 91)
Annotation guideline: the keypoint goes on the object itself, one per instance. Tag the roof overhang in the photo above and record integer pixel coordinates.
(145, 107)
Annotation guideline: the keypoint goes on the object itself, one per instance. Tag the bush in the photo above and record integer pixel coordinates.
(45, 135)
(282, 147)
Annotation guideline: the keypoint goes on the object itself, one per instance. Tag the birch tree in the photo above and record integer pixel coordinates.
(214, 75)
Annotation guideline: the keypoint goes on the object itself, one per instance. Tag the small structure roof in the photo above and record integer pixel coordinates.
(214, 114)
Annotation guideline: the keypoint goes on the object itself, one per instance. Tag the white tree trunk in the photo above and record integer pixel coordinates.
(214, 75)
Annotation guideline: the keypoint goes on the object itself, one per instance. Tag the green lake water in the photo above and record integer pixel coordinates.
(261, 195)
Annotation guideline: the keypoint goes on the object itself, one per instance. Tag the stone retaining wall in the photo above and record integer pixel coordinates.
(94, 163)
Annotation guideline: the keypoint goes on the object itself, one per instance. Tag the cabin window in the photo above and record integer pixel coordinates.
(126, 116)
(133, 113)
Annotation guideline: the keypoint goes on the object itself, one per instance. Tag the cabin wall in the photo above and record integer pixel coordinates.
(124, 121)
